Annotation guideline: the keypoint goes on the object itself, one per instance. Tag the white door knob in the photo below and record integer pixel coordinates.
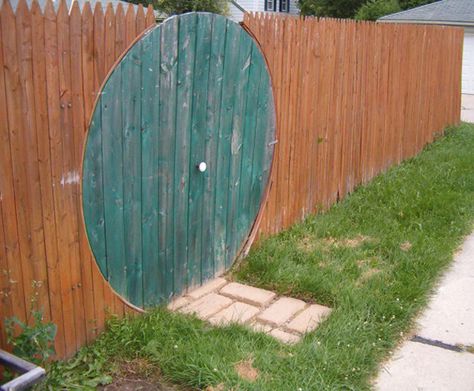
(202, 166)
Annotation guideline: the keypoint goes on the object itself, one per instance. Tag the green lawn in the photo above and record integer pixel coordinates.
(374, 258)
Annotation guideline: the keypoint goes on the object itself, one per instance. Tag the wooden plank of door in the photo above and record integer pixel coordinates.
(169, 70)
(240, 105)
(223, 148)
(184, 99)
(198, 151)
(112, 152)
(131, 70)
(154, 276)
(214, 98)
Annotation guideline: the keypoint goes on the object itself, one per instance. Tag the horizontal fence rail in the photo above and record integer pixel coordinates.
(352, 99)
(52, 64)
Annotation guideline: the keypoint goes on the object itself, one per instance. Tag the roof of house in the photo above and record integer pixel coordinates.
(454, 12)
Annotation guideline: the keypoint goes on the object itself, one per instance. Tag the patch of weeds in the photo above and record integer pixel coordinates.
(32, 340)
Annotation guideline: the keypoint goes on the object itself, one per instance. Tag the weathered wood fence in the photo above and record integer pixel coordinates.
(352, 99)
(51, 67)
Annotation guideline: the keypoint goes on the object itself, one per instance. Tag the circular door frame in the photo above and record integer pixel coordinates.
(243, 249)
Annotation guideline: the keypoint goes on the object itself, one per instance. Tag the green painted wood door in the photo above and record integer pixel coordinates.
(177, 158)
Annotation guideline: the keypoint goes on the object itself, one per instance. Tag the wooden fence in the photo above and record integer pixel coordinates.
(51, 67)
(352, 99)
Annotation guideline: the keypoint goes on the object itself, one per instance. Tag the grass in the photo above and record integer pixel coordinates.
(374, 258)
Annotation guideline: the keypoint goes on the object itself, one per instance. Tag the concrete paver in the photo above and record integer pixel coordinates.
(207, 288)
(248, 293)
(207, 306)
(281, 311)
(420, 367)
(178, 303)
(261, 327)
(284, 337)
(308, 319)
(236, 313)
(221, 302)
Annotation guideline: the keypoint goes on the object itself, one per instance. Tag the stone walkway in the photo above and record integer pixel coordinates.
(221, 302)
(440, 357)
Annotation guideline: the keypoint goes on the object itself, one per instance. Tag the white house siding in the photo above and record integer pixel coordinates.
(256, 6)
(468, 63)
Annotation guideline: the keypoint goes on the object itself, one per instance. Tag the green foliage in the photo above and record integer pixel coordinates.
(374, 9)
(351, 8)
(35, 342)
(174, 7)
(89, 369)
(407, 4)
(374, 258)
(330, 8)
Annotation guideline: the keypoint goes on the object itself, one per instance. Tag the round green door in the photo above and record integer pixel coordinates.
(177, 158)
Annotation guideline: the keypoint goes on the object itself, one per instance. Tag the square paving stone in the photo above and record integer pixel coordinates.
(261, 327)
(207, 306)
(248, 294)
(178, 303)
(281, 311)
(309, 319)
(284, 337)
(207, 288)
(235, 313)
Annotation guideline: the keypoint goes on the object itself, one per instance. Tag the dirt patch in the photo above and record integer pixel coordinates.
(139, 375)
(355, 242)
(369, 269)
(405, 246)
(246, 370)
(367, 275)
(308, 244)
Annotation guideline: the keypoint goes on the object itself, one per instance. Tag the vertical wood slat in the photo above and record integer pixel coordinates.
(44, 162)
(11, 293)
(52, 64)
(348, 110)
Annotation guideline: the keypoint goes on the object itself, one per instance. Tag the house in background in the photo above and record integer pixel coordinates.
(238, 7)
(448, 13)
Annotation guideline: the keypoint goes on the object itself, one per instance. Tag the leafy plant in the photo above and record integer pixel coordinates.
(350, 8)
(332, 8)
(86, 371)
(35, 342)
(374, 9)
(174, 7)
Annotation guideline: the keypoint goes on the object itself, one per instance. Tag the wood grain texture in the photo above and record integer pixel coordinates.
(52, 65)
(352, 99)
(158, 119)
